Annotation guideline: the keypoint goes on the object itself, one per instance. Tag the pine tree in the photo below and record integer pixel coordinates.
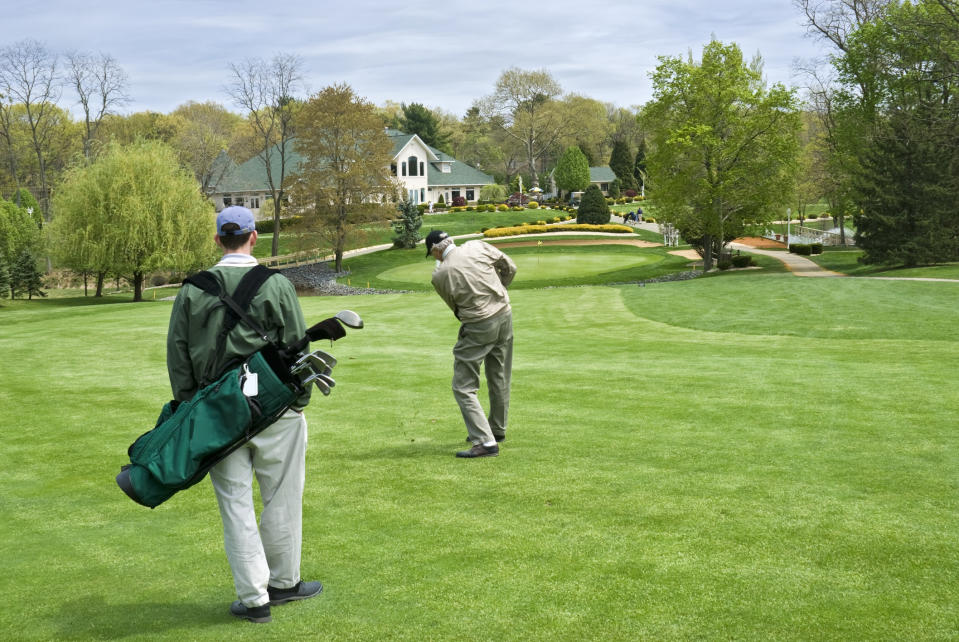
(593, 208)
(25, 278)
(4, 278)
(621, 162)
(639, 165)
(407, 227)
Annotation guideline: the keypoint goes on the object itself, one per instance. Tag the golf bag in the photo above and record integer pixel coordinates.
(191, 437)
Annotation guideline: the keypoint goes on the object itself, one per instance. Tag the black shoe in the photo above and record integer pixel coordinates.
(258, 614)
(301, 591)
(498, 438)
(479, 450)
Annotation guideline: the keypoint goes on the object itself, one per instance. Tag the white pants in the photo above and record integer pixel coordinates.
(269, 555)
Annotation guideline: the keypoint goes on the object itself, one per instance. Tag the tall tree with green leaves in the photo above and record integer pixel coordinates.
(417, 119)
(524, 106)
(639, 166)
(19, 231)
(266, 90)
(621, 161)
(138, 210)
(724, 146)
(344, 178)
(905, 177)
(572, 171)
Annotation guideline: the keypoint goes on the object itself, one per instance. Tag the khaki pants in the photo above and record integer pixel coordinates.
(489, 343)
(269, 555)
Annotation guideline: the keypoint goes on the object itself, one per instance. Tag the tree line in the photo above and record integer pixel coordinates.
(719, 149)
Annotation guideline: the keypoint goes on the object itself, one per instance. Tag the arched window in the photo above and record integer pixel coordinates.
(412, 163)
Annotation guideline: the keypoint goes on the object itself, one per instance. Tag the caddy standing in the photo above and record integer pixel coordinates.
(472, 280)
(265, 561)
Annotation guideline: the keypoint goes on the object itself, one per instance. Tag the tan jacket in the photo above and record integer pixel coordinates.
(472, 279)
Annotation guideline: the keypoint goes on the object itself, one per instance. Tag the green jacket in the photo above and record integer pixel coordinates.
(197, 318)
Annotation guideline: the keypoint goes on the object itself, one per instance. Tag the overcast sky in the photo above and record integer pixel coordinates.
(440, 54)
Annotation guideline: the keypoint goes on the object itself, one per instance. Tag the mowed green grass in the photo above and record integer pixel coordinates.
(539, 267)
(759, 457)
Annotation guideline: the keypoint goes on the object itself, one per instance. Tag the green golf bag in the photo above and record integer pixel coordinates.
(191, 437)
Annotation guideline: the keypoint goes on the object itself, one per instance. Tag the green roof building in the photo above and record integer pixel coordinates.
(423, 174)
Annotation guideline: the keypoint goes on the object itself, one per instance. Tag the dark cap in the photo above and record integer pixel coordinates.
(240, 218)
(433, 238)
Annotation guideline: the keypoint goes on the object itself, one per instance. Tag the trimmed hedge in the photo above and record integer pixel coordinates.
(805, 249)
(517, 230)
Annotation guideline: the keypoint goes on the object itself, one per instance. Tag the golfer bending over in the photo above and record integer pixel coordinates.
(472, 279)
(265, 562)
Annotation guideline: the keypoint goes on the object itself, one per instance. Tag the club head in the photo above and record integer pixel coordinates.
(320, 383)
(349, 318)
(325, 356)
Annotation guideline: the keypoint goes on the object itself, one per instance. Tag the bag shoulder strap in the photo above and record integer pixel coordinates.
(238, 304)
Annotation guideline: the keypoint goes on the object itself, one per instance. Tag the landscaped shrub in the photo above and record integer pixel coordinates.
(630, 192)
(593, 208)
(459, 200)
(537, 229)
(422, 207)
(742, 260)
(724, 264)
(812, 217)
(802, 249)
(533, 205)
(647, 219)
(502, 207)
(815, 248)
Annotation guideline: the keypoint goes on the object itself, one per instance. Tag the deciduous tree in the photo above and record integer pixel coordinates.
(524, 106)
(101, 85)
(572, 171)
(138, 210)
(724, 147)
(267, 92)
(344, 178)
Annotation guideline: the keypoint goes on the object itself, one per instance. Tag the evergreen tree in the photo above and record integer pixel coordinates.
(25, 278)
(907, 191)
(407, 227)
(614, 190)
(419, 120)
(639, 165)
(593, 208)
(4, 278)
(621, 162)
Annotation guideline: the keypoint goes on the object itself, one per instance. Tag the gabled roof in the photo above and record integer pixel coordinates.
(401, 140)
(601, 174)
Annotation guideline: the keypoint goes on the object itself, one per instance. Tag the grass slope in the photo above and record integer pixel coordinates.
(759, 457)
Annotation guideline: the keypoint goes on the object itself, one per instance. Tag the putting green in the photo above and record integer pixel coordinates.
(535, 267)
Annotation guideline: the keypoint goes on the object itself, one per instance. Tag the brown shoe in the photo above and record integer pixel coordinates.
(479, 450)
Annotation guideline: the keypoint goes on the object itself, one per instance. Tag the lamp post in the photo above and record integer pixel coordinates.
(789, 216)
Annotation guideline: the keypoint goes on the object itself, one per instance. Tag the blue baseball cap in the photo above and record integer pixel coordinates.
(240, 217)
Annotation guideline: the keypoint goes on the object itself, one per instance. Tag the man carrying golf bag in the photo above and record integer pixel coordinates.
(265, 561)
